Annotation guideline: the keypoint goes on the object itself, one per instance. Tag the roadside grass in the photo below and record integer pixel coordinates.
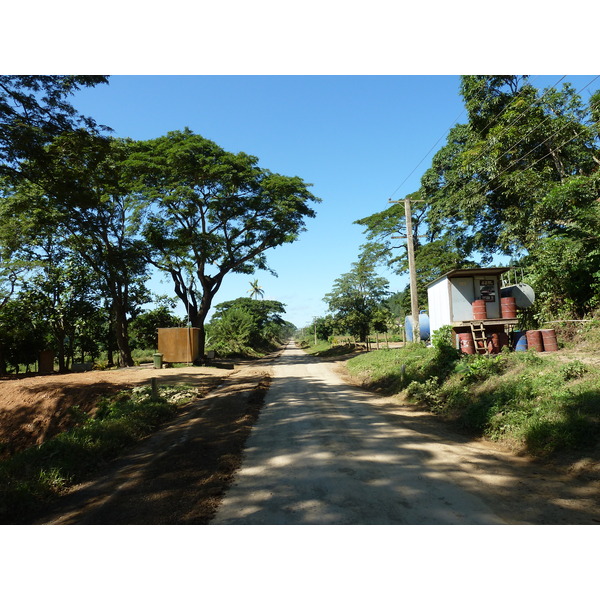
(531, 401)
(32, 478)
(324, 349)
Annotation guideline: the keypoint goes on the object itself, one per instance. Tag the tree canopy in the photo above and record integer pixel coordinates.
(519, 179)
(34, 109)
(355, 298)
(212, 212)
(246, 325)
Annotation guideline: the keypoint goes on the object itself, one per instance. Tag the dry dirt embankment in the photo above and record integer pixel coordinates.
(177, 475)
(36, 408)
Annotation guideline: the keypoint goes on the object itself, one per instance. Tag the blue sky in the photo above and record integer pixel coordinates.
(359, 140)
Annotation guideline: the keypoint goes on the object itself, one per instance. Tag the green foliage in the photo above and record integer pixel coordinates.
(35, 476)
(441, 338)
(22, 336)
(480, 367)
(231, 332)
(573, 370)
(248, 327)
(356, 298)
(325, 327)
(529, 400)
(143, 329)
(33, 110)
(391, 371)
(81, 212)
(426, 392)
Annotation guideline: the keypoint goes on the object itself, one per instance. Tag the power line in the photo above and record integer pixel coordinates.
(518, 118)
(428, 153)
(455, 121)
(568, 123)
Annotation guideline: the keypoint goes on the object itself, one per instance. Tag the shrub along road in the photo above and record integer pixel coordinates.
(322, 452)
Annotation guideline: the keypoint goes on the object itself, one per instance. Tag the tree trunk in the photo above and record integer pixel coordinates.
(60, 340)
(120, 328)
(198, 320)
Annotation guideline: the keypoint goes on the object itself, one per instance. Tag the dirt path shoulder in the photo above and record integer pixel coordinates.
(179, 474)
(521, 489)
(36, 408)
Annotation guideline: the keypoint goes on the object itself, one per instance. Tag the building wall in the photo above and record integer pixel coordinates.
(439, 305)
(450, 299)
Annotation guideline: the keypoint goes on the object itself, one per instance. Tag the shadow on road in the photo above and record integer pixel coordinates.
(326, 452)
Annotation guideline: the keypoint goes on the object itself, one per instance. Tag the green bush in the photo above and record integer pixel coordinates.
(573, 370)
(32, 477)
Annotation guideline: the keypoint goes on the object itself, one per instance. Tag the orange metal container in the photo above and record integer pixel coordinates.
(535, 341)
(508, 306)
(466, 343)
(479, 310)
(179, 344)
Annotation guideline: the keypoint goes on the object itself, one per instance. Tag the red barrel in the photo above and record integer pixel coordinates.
(508, 306)
(466, 343)
(479, 310)
(549, 340)
(535, 340)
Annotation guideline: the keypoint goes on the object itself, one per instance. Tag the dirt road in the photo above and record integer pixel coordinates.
(324, 452)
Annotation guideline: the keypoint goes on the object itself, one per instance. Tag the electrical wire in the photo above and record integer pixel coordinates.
(489, 147)
(428, 153)
(455, 121)
(568, 123)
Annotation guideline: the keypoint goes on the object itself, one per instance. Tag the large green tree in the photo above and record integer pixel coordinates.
(213, 212)
(246, 325)
(356, 297)
(34, 109)
(521, 178)
(497, 181)
(82, 197)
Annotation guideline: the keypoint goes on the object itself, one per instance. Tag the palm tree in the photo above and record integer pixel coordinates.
(255, 290)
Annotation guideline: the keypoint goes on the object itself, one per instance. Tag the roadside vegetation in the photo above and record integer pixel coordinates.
(247, 327)
(29, 480)
(540, 404)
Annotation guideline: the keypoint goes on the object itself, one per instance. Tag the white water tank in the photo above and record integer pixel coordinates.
(521, 292)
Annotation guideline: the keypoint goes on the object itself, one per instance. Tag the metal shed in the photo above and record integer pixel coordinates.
(451, 299)
(179, 344)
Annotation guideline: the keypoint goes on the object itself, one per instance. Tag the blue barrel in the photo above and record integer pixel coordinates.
(519, 341)
(423, 327)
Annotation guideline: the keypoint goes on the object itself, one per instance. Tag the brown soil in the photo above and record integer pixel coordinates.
(178, 475)
(36, 408)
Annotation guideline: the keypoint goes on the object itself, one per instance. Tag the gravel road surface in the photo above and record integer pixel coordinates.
(321, 454)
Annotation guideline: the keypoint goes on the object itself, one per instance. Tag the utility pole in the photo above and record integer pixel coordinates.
(414, 299)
